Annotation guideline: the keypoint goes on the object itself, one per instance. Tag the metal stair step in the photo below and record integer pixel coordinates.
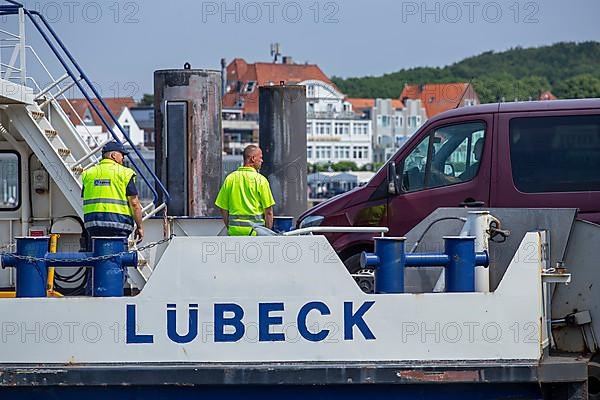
(63, 152)
(77, 170)
(38, 114)
(50, 133)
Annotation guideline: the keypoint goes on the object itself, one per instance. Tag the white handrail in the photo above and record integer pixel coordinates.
(153, 212)
(52, 86)
(337, 229)
(61, 94)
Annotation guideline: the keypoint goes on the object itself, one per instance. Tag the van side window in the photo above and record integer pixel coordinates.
(10, 174)
(555, 154)
(414, 167)
(448, 155)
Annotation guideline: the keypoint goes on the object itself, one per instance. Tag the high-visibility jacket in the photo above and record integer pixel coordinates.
(105, 202)
(245, 194)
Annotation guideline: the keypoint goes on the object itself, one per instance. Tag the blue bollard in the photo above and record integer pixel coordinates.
(389, 260)
(32, 277)
(460, 270)
(283, 224)
(109, 275)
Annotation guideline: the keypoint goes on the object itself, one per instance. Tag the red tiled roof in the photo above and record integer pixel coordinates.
(114, 104)
(265, 74)
(397, 104)
(362, 103)
(439, 97)
(358, 103)
(547, 95)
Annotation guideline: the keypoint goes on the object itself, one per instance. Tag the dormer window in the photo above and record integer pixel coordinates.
(87, 117)
(250, 86)
(310, 91)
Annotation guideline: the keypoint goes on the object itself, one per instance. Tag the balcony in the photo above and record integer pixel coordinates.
(333, 115)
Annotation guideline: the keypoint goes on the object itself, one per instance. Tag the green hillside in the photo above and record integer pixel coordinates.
(569, 70)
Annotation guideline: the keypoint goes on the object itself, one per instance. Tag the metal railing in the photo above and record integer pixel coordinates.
(382, 230)
(70, 65)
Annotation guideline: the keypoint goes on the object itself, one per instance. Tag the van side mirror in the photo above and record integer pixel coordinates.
(393, 181)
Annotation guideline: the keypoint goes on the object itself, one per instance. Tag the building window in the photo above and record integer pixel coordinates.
(399, 121)
(342, 128)
(323, 128)
(87, 117)
(310, 91)
(309, 128)
(250, 86)
(309, 152)
(418, 120)
(10, 176)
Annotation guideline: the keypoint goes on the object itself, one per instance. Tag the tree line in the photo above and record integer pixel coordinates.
(567, 69)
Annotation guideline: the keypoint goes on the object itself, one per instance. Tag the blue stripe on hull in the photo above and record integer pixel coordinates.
(280, 392)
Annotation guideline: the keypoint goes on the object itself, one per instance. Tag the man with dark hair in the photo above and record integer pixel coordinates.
(245, 199)
(110, 197)
(472, 169)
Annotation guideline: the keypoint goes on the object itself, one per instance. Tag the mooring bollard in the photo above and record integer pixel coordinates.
(283, 224)
(110, 274)
(108, 277)
(32, 276)
(390, 261)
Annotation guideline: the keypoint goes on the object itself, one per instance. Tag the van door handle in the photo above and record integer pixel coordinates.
(472, 203)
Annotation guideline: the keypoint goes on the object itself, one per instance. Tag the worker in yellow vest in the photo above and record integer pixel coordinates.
(245, 199)
(110, 197)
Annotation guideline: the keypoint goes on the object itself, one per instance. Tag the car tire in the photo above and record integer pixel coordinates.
(352, 263)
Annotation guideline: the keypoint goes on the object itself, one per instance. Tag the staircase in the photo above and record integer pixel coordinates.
(59, 152)
(48, 131)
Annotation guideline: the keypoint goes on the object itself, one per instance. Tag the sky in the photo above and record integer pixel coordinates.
(121, 43)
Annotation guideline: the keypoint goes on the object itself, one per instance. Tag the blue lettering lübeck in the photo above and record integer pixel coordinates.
(229, 324)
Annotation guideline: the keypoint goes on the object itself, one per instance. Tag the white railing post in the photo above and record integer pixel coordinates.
(22, 46)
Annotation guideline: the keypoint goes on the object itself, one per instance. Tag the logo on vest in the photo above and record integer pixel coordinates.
(101, 182)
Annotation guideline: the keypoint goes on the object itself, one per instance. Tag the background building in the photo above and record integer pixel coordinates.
(90, 126)
(334, 132)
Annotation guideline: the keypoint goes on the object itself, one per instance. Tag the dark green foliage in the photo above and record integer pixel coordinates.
(344, 166)
(569, 70)
(146, 100)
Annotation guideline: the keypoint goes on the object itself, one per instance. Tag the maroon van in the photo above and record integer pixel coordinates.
(528, 154)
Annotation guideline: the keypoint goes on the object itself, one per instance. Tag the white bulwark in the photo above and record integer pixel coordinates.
(205, 303)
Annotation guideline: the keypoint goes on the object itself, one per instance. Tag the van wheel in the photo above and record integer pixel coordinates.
(352, 263)
(364, 278)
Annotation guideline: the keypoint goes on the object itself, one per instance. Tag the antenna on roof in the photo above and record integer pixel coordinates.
(465, 92)
(275, 51)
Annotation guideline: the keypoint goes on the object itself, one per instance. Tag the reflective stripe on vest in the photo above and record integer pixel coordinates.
(245, 223)
(109, 220)
(108, 201)
(255, 218)
(108, 224)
